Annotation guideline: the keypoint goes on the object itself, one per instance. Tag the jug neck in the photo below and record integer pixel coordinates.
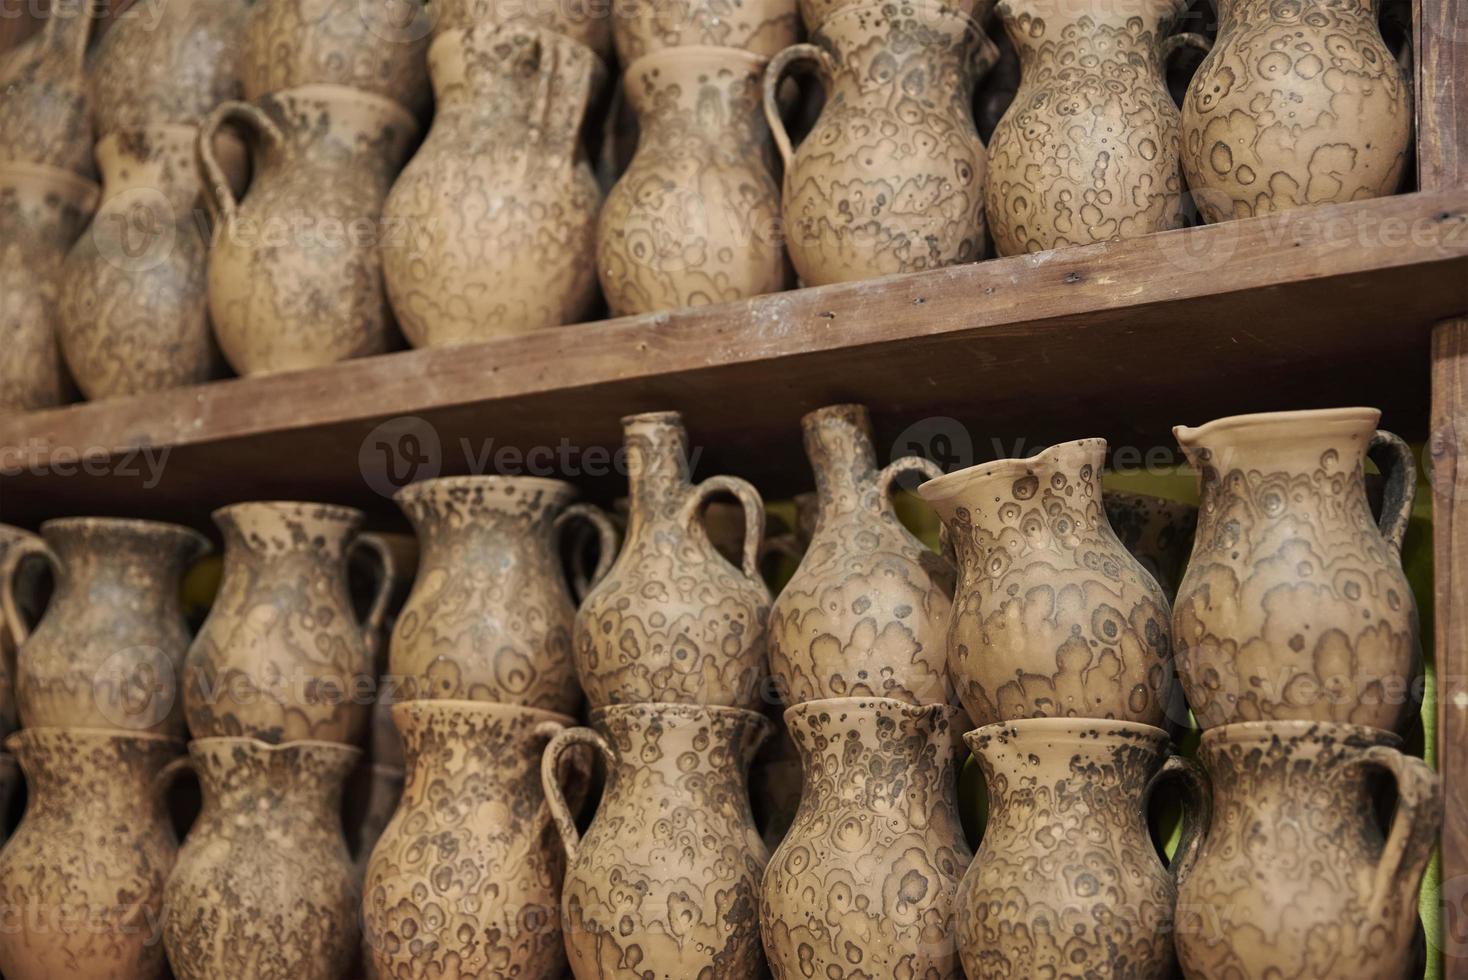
(838, 442)
(76, 769)
(496, 512)
(500, 743)
(1258, 765)
(271, 531)
(658, 467)
(1038, 27)
(159, 159)
(337, 127)
(701, 93)
(144, 560)
(1280, 443)
(246, 779)
(648, 738)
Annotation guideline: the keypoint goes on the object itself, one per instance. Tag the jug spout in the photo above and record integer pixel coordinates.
(1269, 441)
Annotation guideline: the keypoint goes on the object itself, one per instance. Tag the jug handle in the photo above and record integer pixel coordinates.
(924, 467)
(1413, 834)
(1400, 472)
(754, 515)
(26, 547)
(218, 196)
(1197, 811)
(550, 781)
(371, 624)
(607, 543)
(796, 54)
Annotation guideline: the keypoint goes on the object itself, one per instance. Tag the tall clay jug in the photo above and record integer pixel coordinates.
(295, 271)
(264, 887)
(665, 882)
(672, 620)
(891, 177)
(695, 218)
(864, 882)
(1295, 878)
(1052, 617)
(22, 558)
(866, 613)
(1157, 531)
(44, 116)
(281, 656)
(490, 616)
(108, 651)
(498, 206)
(82, 877)
(1294, 605)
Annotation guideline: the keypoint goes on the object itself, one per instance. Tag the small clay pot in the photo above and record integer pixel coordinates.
(762, 27)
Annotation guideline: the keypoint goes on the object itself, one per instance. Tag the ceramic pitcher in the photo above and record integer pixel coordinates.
(43, 112)
(1088, 150)
(490, 616)
(1052, 617)
(864, 882)
(1295, 878)
(762, 27)
(281, 656)
(583, 21)
(295, 271)
(1294, 605)
(264, 888)
(498, 206)
(866, 613)
(466, 880)
(1066, 881)
(107, 653)
(82, 878)
(673, 620)
(695, 218)
(22, 565)
(665, 881)
(1157, 531)
(891, 177)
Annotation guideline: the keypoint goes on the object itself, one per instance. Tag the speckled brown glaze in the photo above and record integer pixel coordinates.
(44, 115)
(1067, 882)
(1157, 531)
(23, 555)
(672, 620)
(762, 27)
(264, 888)
(295, 268)
(589, 24)
(466, 880)
(281, 656)
(866, 613)
(863, 884)
(665, 883)
(490, 617)
(1052, 616)
(498, 207)
(695, 218)
(82, 877)
(1294, 605)
(1295, 880)
(814, 13)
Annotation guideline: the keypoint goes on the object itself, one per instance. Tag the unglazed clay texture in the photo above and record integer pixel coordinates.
(1052, 617)
(1299, 103)
(763, 27)
(589, 24)
(44, 116)
(1295, 881)
(665, 882)
(1157, 531)
(863, 885)
(866, 612)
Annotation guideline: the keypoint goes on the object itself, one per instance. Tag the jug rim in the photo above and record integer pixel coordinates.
(1079, 727)
(840, 704)
(273, 748)
(950, 485)
(74, 186)
(524, 27)
(699, 54)
(421, 488)
(339, 512)
(1188, 436)
(1256, 732)
(974, 15)
(344, 94)
(139, 524)
(680, 708)
(486, 708)
(98, 734)
(665, 417)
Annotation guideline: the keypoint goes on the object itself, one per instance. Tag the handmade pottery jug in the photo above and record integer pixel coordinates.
(281, 656)
(672, 620)
(107, 653)
(1294, 605)
(864, 882)
(762, 27)
(1066, 881)
(295, 272)
(498, 206)
(891, 177)
(695, 218)
(1088, 150)
(1052, 617)
(866, 613)
(23, 561)
(665, 882)
(586, 23)
(466, 880)
(490, 616)
(1295, 878)
(264, 888)
(82, 877)
(42, 211)
(43, 94)
(1157, 531)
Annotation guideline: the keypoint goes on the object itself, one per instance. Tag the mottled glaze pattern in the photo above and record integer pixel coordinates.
(1157, 531)
(863, 885)
(586, 23)
(22, 556)
(762, 27)
(44, 115)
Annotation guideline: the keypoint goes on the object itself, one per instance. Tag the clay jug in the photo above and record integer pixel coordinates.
(673, 620)
(1157, 531)
(281, 656)
(864, 882)
(22, 564)
(42, 211)
(490, 616)
(1066, 881)
(108, 651)
(295, 274)
(264, 888)
(498, 206)
(82, 877)
(665, 882)
(1295, 878)
(587, 22)
(466, 880)
(762, 27)
(1088, 150)
(890, 179)
(1298, 104)
(1294, 605)
(695, 218)
(44, 116)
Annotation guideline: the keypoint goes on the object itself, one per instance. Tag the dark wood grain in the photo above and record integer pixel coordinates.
(1442, 92)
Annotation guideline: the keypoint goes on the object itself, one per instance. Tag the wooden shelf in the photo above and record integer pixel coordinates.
(1304, 309)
